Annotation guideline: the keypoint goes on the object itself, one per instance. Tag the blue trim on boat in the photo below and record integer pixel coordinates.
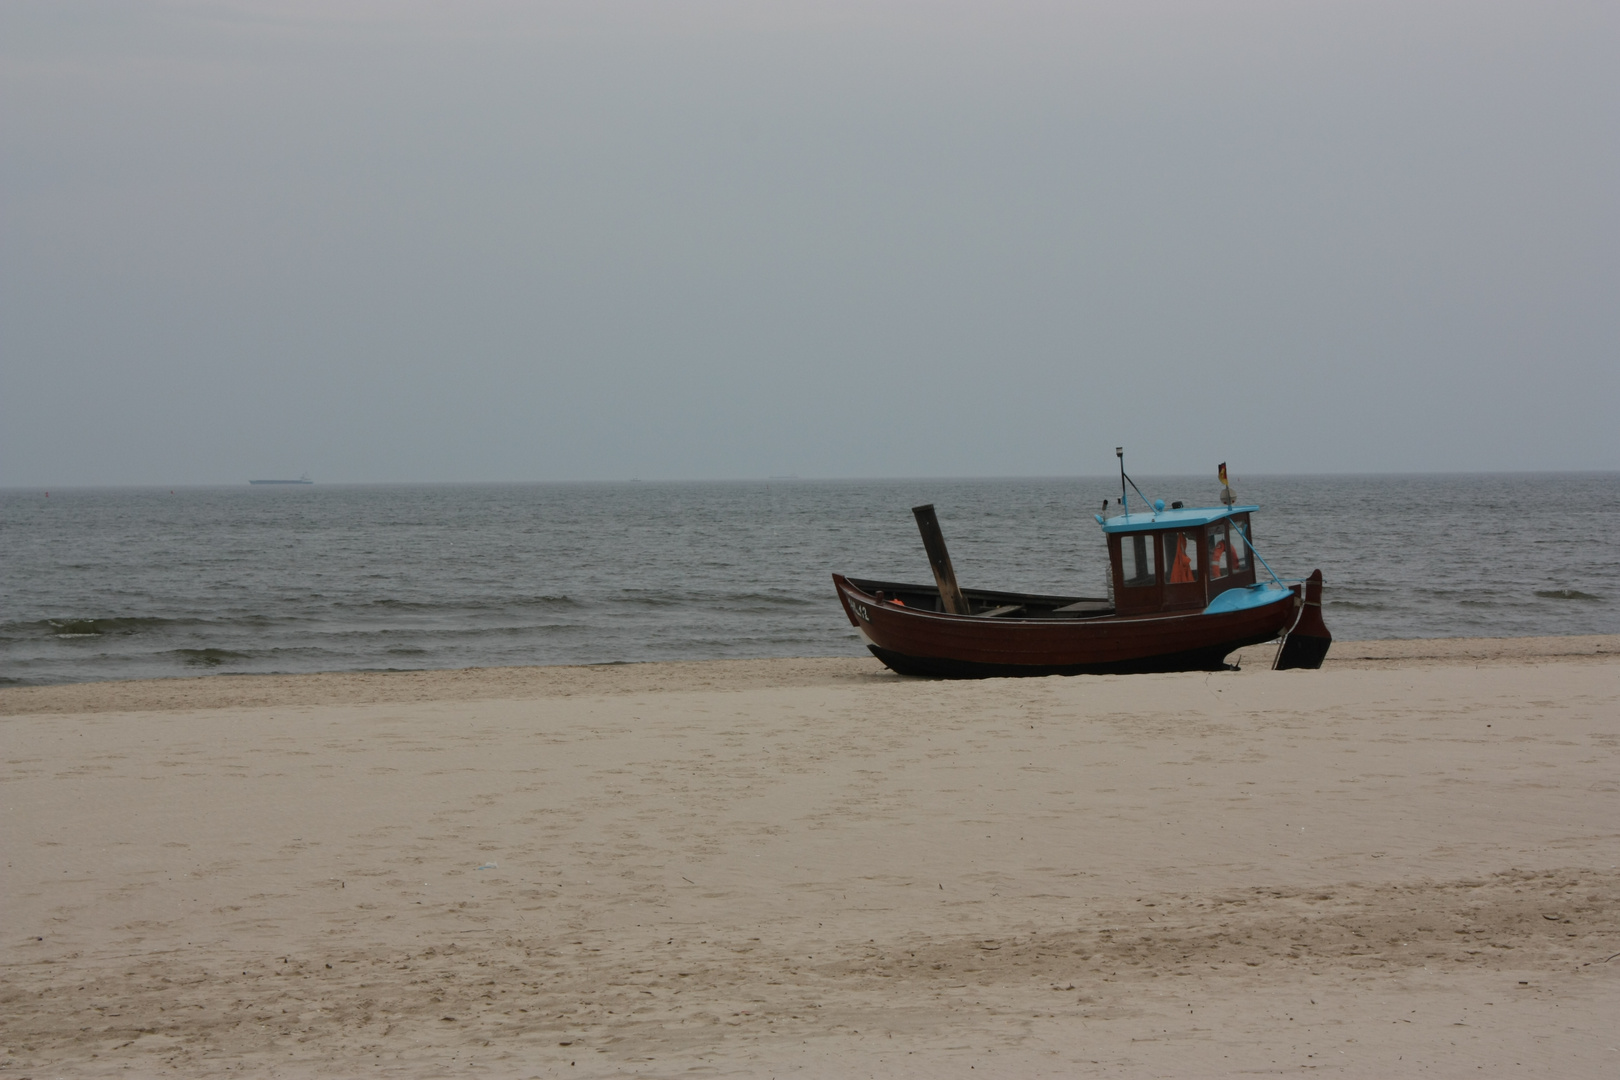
(1250, 596)
(1187, 517)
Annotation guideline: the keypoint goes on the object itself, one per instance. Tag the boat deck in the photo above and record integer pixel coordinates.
(989, 603)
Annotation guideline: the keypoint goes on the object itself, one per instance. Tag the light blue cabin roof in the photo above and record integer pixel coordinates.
(1188, 517)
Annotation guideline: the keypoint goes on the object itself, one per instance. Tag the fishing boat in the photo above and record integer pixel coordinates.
(1185, 593)
(301, 480)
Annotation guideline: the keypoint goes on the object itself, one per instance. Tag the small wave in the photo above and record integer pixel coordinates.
(208, 657)
(652, 600)
(1566, 594)
(769, 598)
(474, 633)
(395, 602)
(562, 601)
(93, 627)
(733, 600)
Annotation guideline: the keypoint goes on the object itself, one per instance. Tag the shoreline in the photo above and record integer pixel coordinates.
(497, 683)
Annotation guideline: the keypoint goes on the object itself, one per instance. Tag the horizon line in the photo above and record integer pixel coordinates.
(232, 484)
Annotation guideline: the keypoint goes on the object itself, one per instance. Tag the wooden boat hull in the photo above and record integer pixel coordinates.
(934, 643)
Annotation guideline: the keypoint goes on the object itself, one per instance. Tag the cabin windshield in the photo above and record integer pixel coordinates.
(1183, 556)
(1139, 559)
(1220, 551)
(1240, 546)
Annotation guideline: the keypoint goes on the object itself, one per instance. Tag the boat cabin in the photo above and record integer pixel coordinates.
(1177, 559)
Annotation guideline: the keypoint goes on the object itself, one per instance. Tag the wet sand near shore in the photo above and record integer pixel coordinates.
(1403, 864)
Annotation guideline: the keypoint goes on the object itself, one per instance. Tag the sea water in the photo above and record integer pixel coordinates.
(131, 583)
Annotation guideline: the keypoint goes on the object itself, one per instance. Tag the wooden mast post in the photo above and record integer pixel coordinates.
(939, 559)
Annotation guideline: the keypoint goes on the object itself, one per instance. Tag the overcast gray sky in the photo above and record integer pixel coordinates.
(553, 241)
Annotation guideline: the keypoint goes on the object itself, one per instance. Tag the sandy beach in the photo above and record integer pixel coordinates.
(1402, 864)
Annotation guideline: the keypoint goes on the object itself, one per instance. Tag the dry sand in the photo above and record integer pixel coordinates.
(1404, 864)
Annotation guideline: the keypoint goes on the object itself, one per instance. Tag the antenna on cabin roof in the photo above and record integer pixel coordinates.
(1124, 478)
(1119, 452)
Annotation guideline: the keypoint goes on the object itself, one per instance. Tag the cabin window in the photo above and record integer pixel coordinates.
(1139, 559)
(1183, 556)
(1220, 551)
(1237, 537)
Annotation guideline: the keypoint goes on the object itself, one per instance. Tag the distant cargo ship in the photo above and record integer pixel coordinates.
(301, 480)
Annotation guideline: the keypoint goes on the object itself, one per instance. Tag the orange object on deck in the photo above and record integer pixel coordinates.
(1181, 569)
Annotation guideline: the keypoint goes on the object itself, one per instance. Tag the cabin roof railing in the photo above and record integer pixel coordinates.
(1186, 518)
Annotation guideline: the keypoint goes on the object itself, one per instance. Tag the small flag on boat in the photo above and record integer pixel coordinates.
(1223, 474)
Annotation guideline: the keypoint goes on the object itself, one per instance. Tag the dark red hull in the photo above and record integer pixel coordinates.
(921, 642)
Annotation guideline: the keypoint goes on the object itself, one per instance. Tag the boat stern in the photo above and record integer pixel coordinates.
(1306, 645)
